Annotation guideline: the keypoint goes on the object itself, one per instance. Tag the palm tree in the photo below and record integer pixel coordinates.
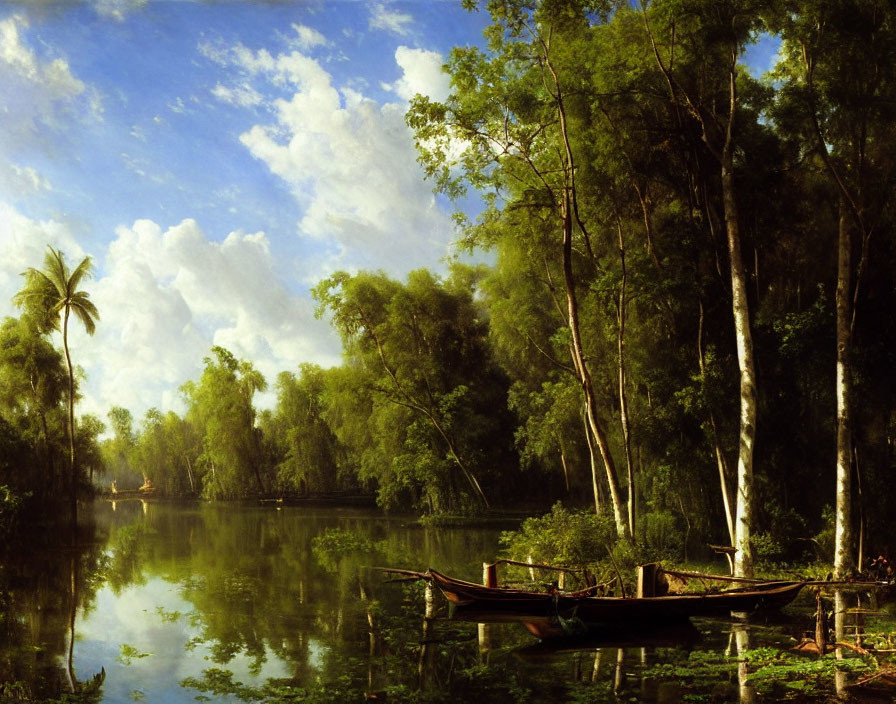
(53, 294)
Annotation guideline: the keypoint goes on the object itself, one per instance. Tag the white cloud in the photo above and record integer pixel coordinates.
(18, 63)
(164, 298)
(308, 38)
(41, 96)
(117, 9)
(23, 243)
(168, 296)
(178, 106)
(243, 95)
(350, 161)
(22, 180)
(381, 17)
(422, 73)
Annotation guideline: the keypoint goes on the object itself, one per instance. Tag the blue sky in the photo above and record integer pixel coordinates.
(216, 159)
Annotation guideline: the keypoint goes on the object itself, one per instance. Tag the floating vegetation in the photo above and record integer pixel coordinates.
(168, 616)
(130, 653)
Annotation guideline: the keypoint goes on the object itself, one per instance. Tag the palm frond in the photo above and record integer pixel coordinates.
(55, 270)
(86, 311)
(83, 270)
(38, 297)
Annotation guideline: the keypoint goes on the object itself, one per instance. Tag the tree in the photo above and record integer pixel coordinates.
(515, 111)
(32, 382)
(119, 450)
(714, 35)
(53, 293)
(309, 449)
(220, 409)
(419, 351)
(838, 92)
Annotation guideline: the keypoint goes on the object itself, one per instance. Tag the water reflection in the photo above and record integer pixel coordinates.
(241, 602)
(42, 587)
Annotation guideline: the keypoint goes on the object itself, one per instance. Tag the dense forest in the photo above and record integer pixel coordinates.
(685, 324)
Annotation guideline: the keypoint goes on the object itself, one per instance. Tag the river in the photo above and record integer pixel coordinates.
(166, 602)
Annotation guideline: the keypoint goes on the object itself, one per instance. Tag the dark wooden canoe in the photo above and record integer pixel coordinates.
(534, 607)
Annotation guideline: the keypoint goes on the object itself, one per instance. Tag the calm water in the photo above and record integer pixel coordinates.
(178, 603)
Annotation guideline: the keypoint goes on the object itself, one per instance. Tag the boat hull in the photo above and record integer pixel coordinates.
(540, 608)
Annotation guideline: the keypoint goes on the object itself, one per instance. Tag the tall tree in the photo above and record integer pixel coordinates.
(119, 450)
(716, 33)
(308, 448)
(838, 95)
(420, 352)
(220, 409)
(513, 112)
(53, 292)
(32, 384)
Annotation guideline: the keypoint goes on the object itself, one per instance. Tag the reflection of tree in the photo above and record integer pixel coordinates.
(129, 553)
(42, 590)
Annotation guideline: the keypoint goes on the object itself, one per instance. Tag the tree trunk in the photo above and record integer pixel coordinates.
(190, 474)
(592, 456)
(73, 483)
(564, 464)
(716, 441)
(843, 518)
(568, 212)
(623, 396)
(578, 354)
(743, 560)
(72, 614)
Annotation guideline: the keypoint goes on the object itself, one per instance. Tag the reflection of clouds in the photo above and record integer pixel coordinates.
(133, 618)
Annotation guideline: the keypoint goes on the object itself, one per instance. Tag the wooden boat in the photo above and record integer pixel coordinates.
(588, 610)
(131, 494)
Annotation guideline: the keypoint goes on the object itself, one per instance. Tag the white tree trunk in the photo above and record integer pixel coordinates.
(843, 519)
(743, 558)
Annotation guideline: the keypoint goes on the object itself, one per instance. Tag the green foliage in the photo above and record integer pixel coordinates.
(774, 674)
(562, 537)
(220, 682)
(220, 409)
(335, 544)
(311, 458)
(824, 539)
(435, 434)
(663, 538)
(129, 653)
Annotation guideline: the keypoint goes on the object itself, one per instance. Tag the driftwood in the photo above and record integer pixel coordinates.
(808, 645)
(820, 645)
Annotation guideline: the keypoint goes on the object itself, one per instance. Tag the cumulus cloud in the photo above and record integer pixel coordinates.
(169, 295)
(349, 160)
(382, 17)
(165, 296)
(23, 243)
(421, 73)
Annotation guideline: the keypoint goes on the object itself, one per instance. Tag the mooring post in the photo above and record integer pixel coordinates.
(490, 574)
(647, 580)
(489, 579)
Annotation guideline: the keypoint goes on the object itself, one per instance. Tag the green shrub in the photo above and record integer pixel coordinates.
(562, 537)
